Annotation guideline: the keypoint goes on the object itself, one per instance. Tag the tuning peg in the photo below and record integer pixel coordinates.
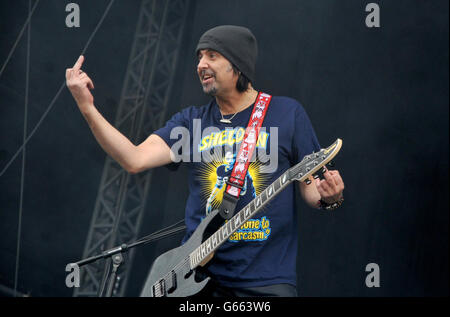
(308, 181)
(331, 164)
(315, 176)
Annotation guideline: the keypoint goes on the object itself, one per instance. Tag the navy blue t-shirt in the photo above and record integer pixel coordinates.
(263, 251)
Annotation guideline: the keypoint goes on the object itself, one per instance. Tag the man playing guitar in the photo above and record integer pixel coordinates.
(260, 259)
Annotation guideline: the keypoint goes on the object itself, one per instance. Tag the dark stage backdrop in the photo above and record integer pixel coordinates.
(384, 91)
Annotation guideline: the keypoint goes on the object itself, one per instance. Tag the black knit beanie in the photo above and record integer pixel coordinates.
(235, 43)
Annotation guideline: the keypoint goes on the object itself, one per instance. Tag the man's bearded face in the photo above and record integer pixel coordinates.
(215, 73)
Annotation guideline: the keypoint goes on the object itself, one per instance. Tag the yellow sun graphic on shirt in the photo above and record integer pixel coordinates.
(207, 175)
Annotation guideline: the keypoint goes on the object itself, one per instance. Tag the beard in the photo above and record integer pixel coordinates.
(211, 91)
(209, 88)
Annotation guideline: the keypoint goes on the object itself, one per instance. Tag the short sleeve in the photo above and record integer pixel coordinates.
(305, 140)
(178, 120)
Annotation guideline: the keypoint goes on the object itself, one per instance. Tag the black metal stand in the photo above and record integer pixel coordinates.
(117, 260)
(115, 255)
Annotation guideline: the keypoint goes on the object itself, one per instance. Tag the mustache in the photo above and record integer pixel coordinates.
(206, 72)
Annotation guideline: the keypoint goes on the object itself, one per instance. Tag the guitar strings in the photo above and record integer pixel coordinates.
(161, 232)
(182, 263)
(175, 269)
(257, 209)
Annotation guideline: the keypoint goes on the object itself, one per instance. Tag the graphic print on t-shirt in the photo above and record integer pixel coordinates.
(248, 262)
(214, 174)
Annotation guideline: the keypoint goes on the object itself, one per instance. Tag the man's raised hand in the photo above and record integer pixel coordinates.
(79, 85)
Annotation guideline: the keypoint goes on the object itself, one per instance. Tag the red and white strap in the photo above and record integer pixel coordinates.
(248, 145)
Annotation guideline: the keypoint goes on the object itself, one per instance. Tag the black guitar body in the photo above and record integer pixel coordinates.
(170, 274)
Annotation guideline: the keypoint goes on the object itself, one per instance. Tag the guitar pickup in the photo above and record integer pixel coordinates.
(173, 282)
(159, 288)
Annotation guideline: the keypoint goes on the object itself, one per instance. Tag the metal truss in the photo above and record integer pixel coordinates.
(121, 199)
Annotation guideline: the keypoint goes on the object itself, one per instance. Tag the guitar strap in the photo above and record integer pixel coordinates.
(237, 179)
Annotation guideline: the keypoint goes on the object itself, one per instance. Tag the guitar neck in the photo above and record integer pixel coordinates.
(233, 224)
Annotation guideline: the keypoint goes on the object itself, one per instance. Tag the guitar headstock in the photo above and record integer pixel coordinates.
(314, 162)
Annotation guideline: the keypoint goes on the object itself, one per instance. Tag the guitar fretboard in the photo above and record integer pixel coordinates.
(233, 224)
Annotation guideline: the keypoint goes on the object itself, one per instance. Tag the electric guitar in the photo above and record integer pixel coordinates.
(173, 273)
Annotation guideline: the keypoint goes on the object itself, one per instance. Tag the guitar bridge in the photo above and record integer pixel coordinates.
(159, 288)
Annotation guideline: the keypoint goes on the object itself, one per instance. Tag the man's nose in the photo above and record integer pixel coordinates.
(202, 64)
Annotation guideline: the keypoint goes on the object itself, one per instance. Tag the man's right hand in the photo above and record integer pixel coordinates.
(153, 152)
(79, 85)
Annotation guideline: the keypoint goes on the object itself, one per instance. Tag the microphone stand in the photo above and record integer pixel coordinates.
(115, 255)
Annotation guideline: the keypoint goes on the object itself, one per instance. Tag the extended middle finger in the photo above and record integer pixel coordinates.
(78, 63)
(329, 178)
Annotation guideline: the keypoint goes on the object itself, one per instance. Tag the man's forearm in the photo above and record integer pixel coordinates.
(312, 200)
(309, 194)
(119, 147)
